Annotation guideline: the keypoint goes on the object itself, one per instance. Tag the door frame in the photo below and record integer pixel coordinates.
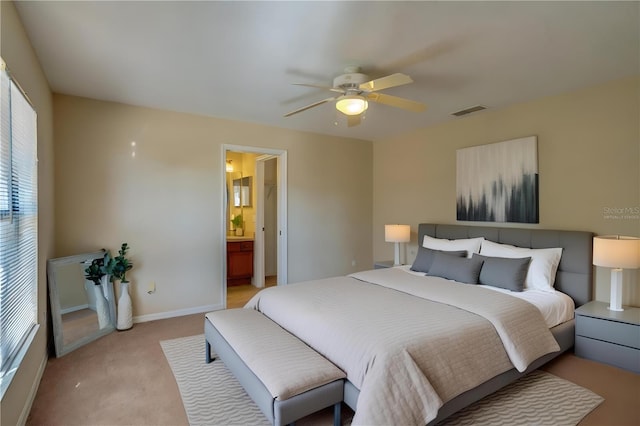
(263, 155)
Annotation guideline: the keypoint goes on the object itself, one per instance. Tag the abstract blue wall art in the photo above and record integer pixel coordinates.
(498, 182)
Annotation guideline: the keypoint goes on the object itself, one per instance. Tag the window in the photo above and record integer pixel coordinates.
(18, 226)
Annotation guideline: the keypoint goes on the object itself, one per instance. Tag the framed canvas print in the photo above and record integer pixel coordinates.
(498, 182)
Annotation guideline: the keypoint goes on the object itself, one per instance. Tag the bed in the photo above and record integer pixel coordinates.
(418, 348)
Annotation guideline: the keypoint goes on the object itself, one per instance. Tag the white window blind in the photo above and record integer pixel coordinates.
(18, 226)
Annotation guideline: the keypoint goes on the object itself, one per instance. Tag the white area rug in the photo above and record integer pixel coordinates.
(212, 396)
(539, 398)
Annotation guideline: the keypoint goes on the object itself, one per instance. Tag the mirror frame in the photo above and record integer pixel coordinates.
(54, 300)
(242, 188)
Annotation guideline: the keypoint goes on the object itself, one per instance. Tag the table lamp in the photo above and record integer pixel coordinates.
(618, 253)
(397, 234)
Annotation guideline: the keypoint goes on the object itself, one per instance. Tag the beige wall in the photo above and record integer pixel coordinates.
(166, 201)
(17, 52)
(589, 161)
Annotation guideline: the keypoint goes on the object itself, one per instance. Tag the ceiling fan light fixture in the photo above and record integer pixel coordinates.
(352, 104)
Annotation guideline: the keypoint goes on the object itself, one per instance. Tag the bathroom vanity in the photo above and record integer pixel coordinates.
(239, 260)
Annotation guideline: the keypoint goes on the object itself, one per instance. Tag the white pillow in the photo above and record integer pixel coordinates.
(542, 269)
(471, 245)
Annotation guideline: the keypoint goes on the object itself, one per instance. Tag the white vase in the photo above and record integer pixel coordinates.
(91, 294)
(102, 308)
(104, 283)
(239, 232)
(125, 309)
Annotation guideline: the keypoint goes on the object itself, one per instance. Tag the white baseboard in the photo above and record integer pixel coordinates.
(33, 391)
(178, 313)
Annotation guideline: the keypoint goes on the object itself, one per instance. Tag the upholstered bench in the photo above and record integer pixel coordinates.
(286, 378)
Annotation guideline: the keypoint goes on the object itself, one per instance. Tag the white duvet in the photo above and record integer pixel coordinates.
(555, 306)
(409, 343)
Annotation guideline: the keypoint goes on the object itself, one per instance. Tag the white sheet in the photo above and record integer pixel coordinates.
(555, 306)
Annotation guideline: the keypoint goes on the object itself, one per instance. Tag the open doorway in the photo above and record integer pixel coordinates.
(254, 216)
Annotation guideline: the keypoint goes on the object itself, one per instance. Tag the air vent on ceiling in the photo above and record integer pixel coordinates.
(468, 110)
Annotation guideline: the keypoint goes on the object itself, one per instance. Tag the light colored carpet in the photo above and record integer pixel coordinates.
(212, 396)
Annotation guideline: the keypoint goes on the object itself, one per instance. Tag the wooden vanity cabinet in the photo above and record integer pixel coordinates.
(239, 262)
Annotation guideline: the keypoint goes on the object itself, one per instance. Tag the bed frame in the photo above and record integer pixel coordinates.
(574, 277)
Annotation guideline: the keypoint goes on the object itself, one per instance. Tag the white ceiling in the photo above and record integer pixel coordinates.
(237, 60)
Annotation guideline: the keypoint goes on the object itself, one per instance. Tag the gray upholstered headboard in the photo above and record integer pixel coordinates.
(575, 272)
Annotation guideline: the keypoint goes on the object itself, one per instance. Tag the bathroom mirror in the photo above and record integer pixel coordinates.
(81, 310)
(242, 192)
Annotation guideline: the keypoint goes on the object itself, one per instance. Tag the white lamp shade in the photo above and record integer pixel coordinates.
(613, 251)
(351, 104)
(397, 233)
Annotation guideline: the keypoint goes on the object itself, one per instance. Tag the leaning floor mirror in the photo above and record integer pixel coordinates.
(81, 310)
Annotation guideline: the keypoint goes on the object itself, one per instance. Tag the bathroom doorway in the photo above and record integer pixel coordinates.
(254, 216)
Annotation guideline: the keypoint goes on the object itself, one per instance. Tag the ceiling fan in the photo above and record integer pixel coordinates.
(356, 91)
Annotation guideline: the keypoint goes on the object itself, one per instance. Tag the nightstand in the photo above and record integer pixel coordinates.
(607, 336)
(380, 264)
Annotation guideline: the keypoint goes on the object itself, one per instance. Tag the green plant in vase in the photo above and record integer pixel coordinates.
(237, 222)
(95, 271)
(121, 265)
(109, 263)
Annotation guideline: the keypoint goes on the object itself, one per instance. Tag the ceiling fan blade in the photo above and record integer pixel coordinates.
(317, 86)
(315, 104)
(397, 102)
(393, 80)
(353, 120)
